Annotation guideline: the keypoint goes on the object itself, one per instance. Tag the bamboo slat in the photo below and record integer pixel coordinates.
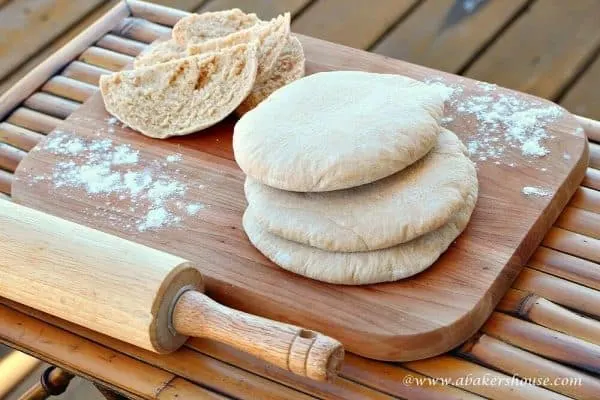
(594, 155)
(91, 360)
(400, 381)
(155, 13)
(592, 179)
(83, 72)
(121, 45)
(36, 78)
(18, 137)
(106, 59)
(533, 308)
(14, 368)
(6, 179)
(69, 88)
(445, 366)
(185, 362)
(51, 105)
(579, 221)
(573, 243)
(544, 342)
(33, 120)
(344, 387)
(341, 390)
(514, 361)
(566, 266)
(561, 291)
(10, 157)
(140, 30)
(586, 198)
(591, 127)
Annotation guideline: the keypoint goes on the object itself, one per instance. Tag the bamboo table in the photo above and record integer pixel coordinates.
(545, 326)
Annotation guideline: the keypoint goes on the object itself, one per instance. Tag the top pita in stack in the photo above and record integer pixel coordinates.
(214, 64)
(357, 183)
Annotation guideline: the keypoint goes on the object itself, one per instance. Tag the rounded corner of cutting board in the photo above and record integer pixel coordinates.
(400, 347)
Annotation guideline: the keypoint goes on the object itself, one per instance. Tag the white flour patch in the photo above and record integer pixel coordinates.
(174, 157)
(499, 122)
(157, 218)
(534, 191)
(192, 209)
(64, 144)
(114, 175)
(123, 154)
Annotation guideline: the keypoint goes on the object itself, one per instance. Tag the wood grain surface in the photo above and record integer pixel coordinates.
(447, 48)
(410, 319)
(17, 17)
(542, 61)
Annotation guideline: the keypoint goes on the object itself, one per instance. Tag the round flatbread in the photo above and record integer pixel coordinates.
(393, 210)
(182, 96)
(336, 130)
(362, 268)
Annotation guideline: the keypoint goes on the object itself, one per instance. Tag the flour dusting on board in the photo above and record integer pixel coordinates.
(500, 121)
(534, 191)
(112, 172)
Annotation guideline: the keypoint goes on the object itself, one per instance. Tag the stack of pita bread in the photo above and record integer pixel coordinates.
(351, 179)
(214, 64)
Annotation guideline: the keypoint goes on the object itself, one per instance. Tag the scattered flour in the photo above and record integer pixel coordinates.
(110, 171)
(499, 121)
(534, 191)
(192, 209)
(174, 157)
(157, 218)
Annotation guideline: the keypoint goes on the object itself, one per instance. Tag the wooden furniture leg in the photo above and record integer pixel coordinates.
(54, 381)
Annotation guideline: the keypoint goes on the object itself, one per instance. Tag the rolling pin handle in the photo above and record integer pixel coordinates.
(298, 350)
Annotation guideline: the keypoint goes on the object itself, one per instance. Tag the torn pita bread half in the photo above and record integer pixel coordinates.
(181, 96)
(272, 37)
(197, 28)
(288, 68)
(159, 52)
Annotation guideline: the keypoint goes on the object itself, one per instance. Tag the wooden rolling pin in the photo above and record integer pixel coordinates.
(139, 295)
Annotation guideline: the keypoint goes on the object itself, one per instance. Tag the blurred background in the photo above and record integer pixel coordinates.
(548, 48)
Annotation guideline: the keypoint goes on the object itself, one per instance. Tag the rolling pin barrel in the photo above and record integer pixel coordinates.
(138, 294)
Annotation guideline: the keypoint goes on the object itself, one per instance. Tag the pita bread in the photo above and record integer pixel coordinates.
(336, 130)
(159, 52)
(197, 28)
(181, 96)
(361, 268)
(393, 210)
(271, 38)
(288, 68)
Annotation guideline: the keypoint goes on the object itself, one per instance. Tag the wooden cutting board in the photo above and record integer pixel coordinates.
(520, 197)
